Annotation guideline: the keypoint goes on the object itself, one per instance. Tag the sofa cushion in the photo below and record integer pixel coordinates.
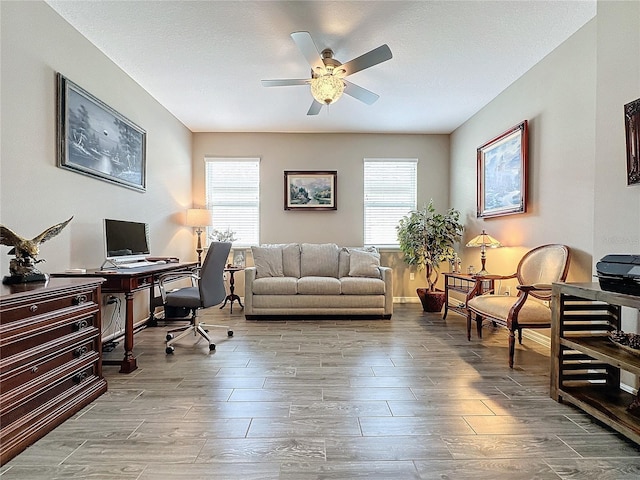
(364, 264)
(361, 286)
(345, 255)
(318, 286)
(275, 286)
(319, 260)
(291, 260)
(268, 261)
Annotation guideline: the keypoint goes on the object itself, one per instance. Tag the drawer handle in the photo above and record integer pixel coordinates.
(81, 324)
(79, 299)
(34, 369)
(33, 308)
(80, 351)
(79, 377)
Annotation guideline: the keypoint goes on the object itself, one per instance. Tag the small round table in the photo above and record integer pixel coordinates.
(232, 296)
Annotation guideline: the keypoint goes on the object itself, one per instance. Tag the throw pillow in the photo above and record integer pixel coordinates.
(268, 261)
(319, 260)
(345, 254)
(364, 264)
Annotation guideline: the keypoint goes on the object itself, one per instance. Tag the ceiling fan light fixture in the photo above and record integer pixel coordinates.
(326, 89)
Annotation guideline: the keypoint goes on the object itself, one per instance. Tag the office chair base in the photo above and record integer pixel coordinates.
(195, 329)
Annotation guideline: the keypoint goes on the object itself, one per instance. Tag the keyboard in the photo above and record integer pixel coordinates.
(136, 264)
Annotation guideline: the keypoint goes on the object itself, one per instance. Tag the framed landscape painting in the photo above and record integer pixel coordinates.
(502, 173)
(310, 190)
(95, 140)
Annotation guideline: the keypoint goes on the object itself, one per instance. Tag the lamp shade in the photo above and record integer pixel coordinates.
(199, 217)
(484, 240)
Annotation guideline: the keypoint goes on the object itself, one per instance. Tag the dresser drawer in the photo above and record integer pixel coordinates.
(39, 362)
(20, 336)
(55, 383)
(46, 302)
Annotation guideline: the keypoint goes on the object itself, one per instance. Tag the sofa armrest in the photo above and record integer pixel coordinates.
(249, 278)
(386, 274)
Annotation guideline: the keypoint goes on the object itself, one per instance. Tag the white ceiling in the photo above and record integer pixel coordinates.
(203, 60)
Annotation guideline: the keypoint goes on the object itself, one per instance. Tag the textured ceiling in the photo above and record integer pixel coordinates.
(203, 60)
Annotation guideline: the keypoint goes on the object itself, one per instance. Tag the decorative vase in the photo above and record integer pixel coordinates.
(431, 301)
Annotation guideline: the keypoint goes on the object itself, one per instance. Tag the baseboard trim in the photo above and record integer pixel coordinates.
(406, 299)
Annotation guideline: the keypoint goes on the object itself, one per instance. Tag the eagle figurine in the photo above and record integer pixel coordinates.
(22, 267)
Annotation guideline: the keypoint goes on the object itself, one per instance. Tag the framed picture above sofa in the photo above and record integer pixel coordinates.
(310, 190)
(95, 140)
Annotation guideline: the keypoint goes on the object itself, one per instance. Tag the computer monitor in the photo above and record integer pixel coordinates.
(125, 241)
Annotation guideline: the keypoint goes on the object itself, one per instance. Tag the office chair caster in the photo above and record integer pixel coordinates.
(169, 337)
(212, 347)
(169, 350)
(230, 333)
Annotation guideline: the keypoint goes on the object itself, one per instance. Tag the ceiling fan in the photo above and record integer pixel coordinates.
(327, 74)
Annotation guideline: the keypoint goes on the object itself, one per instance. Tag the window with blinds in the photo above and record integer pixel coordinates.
(233, 194)
(390, 192)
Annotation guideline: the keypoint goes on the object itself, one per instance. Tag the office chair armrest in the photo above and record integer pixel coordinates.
(174, 277)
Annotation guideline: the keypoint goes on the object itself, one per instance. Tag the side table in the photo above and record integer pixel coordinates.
(462, 283)
(232, 296)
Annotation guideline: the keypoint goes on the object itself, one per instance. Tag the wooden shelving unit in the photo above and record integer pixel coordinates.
(585, 364)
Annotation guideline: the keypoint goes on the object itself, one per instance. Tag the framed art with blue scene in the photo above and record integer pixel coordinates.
(310, 190)
(95, 140)
(502, 173)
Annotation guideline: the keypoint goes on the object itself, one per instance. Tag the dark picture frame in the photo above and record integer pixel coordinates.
(310, 190)
(94, 139)
(632, 135)
(502, 173)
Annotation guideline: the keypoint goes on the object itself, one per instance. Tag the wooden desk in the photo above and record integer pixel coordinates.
(462, 283)
(128, 281)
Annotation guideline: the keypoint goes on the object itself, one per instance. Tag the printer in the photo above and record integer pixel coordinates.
(619, 273)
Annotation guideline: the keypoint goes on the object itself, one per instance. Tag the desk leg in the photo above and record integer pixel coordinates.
(128, 364)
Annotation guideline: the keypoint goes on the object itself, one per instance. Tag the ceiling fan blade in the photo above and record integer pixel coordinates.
(369, 59)
(315, 108)
(305, 44)
(360, 93)
(285, 82)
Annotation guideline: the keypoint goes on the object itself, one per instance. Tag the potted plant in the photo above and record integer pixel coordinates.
(427, 239)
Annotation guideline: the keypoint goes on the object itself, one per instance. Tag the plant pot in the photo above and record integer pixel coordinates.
(431, 301)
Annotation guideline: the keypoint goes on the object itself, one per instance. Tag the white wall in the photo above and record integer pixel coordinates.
(617, 206)
(557, 98)
(342, 152)
(35, 193)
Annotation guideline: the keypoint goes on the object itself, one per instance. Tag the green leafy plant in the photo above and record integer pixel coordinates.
(427, 239)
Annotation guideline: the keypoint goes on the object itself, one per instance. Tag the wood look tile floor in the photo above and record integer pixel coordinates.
(408, 398)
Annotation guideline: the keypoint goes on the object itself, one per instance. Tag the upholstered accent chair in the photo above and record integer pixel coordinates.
(537, 270)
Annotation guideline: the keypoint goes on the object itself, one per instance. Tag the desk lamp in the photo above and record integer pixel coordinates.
(198, 218)
(483, 241)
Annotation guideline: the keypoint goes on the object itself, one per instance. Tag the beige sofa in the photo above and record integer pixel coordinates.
(310, 279)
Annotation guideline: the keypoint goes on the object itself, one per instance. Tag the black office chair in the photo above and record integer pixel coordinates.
(207, 290)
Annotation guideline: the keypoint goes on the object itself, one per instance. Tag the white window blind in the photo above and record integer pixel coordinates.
(233, 196)
(390, 192)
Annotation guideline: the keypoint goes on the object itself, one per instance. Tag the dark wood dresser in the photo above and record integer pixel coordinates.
(50, 357)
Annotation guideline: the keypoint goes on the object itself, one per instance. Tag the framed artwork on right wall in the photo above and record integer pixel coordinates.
(502, 173)
(632, 134)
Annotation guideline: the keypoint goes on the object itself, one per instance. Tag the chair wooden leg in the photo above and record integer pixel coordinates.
(469, 326)
(512, 347)
(520, 336)
(479, 325)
